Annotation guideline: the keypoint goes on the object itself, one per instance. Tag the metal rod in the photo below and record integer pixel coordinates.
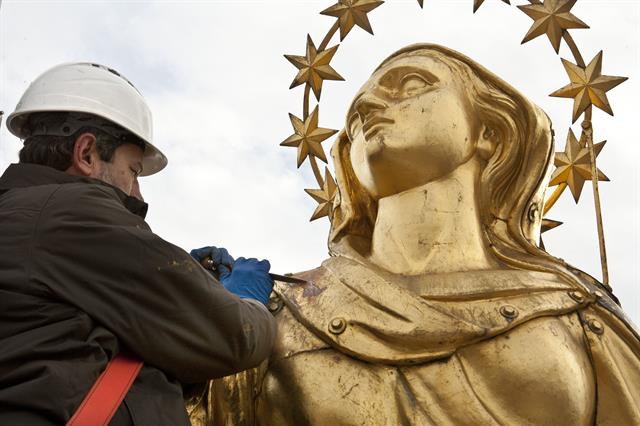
(554, 197)
(316, 171)
(580, 62)
(586, 125)
(305, 102)
(329, 36)
(574, 49)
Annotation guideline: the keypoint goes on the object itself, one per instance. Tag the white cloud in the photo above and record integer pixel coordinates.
(214, 75)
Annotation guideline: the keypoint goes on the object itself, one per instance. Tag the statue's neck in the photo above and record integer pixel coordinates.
(434, 228)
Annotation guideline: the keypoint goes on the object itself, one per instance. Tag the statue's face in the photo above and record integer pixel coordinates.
(409, 125)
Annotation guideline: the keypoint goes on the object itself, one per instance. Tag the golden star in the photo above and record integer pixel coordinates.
(314, 67)
(573, 166)
(324, 197)
(547, 225)
(552, 17)
(588, 86)
(478, 3)
(352, 12)
(308, 137)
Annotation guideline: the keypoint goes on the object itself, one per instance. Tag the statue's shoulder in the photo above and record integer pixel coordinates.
(610, 333)
(614, 348)
(604, 307)
(294, 335)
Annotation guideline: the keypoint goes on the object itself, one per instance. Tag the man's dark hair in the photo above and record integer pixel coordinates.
(57, 151)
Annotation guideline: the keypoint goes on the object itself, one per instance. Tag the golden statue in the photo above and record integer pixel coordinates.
(437, 306)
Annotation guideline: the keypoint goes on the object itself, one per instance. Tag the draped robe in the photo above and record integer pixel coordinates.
(358, 346)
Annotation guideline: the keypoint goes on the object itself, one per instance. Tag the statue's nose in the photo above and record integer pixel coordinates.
(367, 105)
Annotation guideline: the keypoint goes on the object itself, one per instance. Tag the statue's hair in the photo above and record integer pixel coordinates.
(512, 183)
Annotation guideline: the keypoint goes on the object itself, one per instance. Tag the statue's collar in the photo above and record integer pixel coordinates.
(467, 285)
(381, 317)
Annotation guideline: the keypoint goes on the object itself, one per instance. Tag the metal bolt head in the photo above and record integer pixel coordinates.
(337, 325)
(509, 312)
(577, 296)
(596, 326)
(275, 304)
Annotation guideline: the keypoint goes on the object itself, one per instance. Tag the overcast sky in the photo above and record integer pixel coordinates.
(217, 83)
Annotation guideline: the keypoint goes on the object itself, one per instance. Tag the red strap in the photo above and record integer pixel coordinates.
(107, 393)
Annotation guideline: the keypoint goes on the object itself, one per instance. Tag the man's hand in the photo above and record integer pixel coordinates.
(249, 279)
(246, 278)
(222, 260)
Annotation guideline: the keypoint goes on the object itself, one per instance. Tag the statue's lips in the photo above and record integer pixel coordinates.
(372, 125)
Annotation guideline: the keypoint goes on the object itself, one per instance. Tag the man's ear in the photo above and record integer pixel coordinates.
(487, 142)
(84, 161)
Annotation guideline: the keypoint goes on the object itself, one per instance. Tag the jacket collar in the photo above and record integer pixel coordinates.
(25, 175)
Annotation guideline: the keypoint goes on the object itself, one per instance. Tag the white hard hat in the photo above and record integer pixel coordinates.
(91, 89)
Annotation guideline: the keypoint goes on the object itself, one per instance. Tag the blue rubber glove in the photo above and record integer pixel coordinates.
(249, 279)
(222, 260)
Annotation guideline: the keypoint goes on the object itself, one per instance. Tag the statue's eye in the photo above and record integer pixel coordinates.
(413, 82)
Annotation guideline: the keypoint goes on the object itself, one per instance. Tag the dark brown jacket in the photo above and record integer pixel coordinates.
(82, 277)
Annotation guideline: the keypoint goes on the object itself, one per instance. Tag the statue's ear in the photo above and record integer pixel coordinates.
(487, 142)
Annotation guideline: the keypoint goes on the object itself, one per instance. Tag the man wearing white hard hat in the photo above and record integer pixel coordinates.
(102, 321)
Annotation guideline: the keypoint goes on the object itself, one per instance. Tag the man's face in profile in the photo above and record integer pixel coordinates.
(123, 169)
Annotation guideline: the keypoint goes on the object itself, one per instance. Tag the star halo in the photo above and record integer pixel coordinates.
(553, 18)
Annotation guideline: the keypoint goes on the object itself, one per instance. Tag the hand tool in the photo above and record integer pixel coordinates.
(207, 263)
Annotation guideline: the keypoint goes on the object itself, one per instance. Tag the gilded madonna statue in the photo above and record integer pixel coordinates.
(437, 305)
